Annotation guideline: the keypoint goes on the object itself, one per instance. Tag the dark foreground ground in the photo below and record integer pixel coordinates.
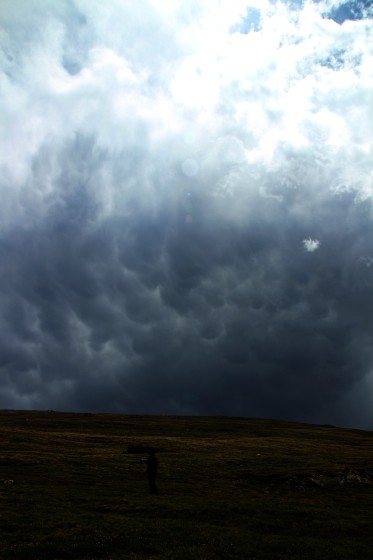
(229, 488)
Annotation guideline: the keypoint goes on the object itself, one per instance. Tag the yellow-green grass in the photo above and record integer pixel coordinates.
(228, 488)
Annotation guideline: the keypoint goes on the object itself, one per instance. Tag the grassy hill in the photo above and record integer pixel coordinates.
(230, 488)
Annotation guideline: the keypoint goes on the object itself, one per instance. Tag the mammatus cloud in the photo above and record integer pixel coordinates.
(186, 217)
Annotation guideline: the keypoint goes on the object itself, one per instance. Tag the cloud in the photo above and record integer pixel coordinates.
(311, 245)
(159, 166)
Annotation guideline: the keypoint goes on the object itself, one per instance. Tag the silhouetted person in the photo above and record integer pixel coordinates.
(151, 471)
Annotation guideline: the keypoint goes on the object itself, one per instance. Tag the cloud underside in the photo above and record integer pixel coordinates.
(186, 218)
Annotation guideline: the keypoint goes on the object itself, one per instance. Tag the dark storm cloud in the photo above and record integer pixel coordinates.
(168, 252)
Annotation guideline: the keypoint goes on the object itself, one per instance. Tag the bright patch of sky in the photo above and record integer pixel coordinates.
(282, 78)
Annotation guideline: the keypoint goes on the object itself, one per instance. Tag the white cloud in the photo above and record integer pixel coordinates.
(311, 245)
(150, 70)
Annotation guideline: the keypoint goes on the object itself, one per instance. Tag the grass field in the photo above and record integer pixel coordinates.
(230, 488)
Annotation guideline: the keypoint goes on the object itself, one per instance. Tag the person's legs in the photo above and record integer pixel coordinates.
(152, 486)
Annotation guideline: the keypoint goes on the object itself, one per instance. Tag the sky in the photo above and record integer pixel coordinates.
(186, 218)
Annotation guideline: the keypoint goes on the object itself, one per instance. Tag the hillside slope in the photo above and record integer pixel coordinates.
(74, 486)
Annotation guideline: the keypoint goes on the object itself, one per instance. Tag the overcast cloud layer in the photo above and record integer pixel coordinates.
(186, 220)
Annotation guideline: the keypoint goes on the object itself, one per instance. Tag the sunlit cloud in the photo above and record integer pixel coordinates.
(311, 245)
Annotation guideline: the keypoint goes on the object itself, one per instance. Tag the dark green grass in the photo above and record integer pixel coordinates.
(224, 489)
